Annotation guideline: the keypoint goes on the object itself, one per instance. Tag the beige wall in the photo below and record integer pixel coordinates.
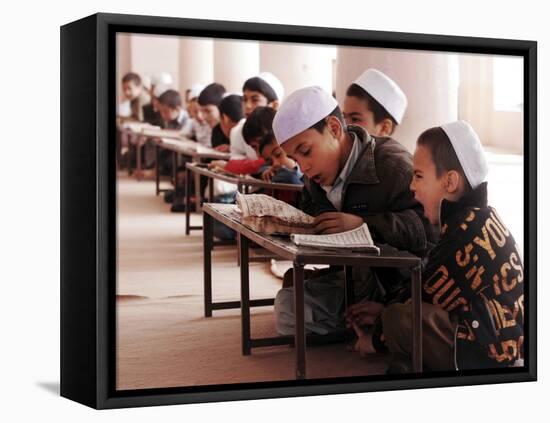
(152, 54)
(440, 87)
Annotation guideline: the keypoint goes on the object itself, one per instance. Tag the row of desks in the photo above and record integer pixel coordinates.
(281, 247)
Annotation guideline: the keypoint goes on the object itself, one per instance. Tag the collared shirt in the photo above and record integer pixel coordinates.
(334, 192)
(239, 148)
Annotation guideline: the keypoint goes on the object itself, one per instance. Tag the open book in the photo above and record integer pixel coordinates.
(358, 239)
(267, 215)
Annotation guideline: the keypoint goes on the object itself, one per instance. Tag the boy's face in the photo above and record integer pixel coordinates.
(211, 114)
(131, 90)
(357, 112)
(428, 189)
(168, 113)
(251, 100)
(318, 155)
(193, 110)
(274, 153)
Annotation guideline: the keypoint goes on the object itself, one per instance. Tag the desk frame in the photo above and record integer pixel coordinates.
(300, 257)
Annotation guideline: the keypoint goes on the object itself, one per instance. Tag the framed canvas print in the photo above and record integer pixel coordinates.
(259, 211)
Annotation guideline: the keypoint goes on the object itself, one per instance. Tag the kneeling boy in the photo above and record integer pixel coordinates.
(472, 284)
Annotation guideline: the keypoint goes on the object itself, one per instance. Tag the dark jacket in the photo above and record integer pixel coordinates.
(476, 274)
(377, 189)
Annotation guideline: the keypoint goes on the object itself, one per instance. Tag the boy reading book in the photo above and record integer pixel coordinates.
(472, 284)
(350, 178)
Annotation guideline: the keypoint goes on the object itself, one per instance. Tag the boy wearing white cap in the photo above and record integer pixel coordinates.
(375, 102)
(263, 90)
(473, 279)
(349, 178)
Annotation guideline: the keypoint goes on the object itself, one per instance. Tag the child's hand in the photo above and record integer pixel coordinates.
(335, 222)
(363, 313)
(222, 148)
(217, 164)
(268, 174)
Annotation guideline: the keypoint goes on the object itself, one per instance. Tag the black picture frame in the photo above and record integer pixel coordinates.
(88, 215)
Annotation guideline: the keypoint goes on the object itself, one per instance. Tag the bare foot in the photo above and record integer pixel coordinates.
(363, 345)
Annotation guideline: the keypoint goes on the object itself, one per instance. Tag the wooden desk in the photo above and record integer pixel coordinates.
(243, 183)
(300, 256)
(188, 148)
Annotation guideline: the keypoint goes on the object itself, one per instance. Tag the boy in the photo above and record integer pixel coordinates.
(264, 90)
(151, 113)
(209, 100)
(135, 97)
(171, 111)
(375, 102)
(349, 178)
(472, 284)
(283, 169)
(231, 113)
(199, 130)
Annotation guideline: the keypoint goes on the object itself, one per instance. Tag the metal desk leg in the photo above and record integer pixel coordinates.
(245, 295)
(139, 174)
(157, 169)
(175, 170)
(350, 291)
(187, 201)
(416, 280)
(300, 333)
(207, 251)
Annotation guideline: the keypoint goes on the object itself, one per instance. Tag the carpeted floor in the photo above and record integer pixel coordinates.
(163, 338)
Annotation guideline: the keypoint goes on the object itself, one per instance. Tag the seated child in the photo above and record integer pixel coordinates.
(472, 284)
(198, 130)
(135, 97)
(151, 111)
(171, 110)
(375, 102)
(209, 100)
(231, 113)
(283, 169)
(350, 178)
(264, 90)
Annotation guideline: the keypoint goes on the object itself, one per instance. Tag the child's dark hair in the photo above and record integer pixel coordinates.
(443, 153)
(212, 94)
(131, 77)
(259, 123)
(232, 107)
(266, 140)
(378, 111)
(320, 126)
(170, 98)
(258, 84)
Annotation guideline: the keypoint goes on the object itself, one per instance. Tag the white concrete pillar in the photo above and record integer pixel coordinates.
(153, 54)
(123, 61)
(429, 80)
(235, 62)
(196, 62)
(298, 65)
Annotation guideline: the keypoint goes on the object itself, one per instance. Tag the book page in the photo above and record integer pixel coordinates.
(358, 238)
(259, 205)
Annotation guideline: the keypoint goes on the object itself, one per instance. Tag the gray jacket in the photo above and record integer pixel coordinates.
(377, 189)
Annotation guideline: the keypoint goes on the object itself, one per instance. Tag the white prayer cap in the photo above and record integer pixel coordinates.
(274, 83)
(195, 90)
(301, 110)
(469, 151)
(146, 81)
(160, 89)
(163, 78)
(385, 91)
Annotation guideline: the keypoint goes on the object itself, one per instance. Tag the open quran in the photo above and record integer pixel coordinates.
(358, 239)
(267, 215)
